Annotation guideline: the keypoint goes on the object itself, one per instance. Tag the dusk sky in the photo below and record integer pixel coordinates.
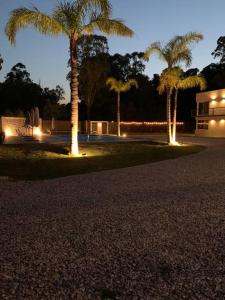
(152, 20)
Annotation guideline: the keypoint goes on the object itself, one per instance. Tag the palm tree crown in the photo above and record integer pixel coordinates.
(176, 51)
(176, 80)
(74, 18)
(120, 86)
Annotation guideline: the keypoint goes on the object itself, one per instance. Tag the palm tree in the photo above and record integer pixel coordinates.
(73, 19)
(184, 83)
(175, 80)
(120, 87)
(175, 52)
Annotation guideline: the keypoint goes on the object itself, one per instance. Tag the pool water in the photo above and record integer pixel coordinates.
(66, 138)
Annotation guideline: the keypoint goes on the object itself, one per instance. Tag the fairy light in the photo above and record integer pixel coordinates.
(148, 123)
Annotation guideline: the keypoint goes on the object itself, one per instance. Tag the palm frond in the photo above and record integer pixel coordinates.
(154, 48)
(24, 17)
(126, 86)
(108, 26)
(191, 82)
(192, 37)
(98, 6)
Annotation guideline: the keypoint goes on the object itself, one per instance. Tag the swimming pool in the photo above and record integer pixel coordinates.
(66, 138)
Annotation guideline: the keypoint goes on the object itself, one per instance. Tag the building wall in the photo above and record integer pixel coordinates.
(14, 126)
(215, 118)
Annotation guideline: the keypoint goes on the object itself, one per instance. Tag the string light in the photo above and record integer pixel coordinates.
(148, 123)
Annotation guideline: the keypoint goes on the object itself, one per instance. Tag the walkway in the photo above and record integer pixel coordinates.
(148, 232)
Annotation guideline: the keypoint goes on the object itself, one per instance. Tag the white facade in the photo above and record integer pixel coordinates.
(210, 118)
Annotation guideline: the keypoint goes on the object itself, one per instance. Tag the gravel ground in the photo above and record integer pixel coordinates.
(148, 232)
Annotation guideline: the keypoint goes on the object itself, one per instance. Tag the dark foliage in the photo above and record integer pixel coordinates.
(219, 52)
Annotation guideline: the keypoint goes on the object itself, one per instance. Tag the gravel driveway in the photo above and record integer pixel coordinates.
(148, 232)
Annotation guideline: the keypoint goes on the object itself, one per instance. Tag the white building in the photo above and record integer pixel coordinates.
(210, 119)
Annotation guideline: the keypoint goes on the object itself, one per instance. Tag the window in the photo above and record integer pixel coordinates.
(203, 124)
(203, 109)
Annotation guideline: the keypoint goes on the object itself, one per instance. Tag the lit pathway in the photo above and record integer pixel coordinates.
(148, 232)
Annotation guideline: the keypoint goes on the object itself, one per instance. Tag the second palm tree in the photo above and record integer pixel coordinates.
(119, 87)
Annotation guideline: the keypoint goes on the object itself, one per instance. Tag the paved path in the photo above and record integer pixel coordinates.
(148, 232)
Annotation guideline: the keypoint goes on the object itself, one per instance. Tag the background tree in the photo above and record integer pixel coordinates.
(92, 77)
(120, 87)
(19, 94)
(92, 45)
(175, 52)
(127, 66)
(73, 19)
(1, 62)
(219, 52)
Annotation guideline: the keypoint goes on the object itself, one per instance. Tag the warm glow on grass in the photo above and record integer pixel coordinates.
(175, 143)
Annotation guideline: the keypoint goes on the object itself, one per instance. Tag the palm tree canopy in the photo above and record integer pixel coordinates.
(73, 18)
(176, 51)
(120, 86)
(176, 79)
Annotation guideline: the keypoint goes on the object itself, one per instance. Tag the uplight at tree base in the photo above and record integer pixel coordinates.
(174, 143)
(74, 149)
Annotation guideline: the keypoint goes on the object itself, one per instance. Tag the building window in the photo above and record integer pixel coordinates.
(203, 109)
(203, 124)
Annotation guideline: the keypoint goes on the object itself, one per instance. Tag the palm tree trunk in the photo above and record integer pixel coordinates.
(89, 119)
(175, 116)
(169, 133)
(118, 113)
(74, 97)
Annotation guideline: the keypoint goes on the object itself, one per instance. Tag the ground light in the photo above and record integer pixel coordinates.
(37, 131)
(175, 143)
(8, 132)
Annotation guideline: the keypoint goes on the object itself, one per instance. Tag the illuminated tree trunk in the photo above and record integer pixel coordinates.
(169, 133)
(118, 113)
(175, 116)
(74, 97)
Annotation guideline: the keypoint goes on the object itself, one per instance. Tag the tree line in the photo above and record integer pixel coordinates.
(19, 93)
(75, 20)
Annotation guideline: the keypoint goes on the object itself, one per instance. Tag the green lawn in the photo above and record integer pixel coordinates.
(43, 161)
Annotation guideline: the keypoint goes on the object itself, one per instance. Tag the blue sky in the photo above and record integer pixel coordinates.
(152, 20)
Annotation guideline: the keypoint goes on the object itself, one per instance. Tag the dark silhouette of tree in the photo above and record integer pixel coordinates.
(92, 78)
(91, 46)
(127, 66)
(219, 52)
(1, 62)
(18, 73)
(18, 93)
(215, 76)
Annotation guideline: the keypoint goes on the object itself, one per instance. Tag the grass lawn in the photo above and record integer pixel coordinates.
(43, 161)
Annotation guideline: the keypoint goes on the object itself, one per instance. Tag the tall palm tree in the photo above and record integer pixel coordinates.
(175, 52)
(184, 83)
(72, 19)
(175, 79)
(120, 87)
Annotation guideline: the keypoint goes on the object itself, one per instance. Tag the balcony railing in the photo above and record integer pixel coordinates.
(213, 111)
